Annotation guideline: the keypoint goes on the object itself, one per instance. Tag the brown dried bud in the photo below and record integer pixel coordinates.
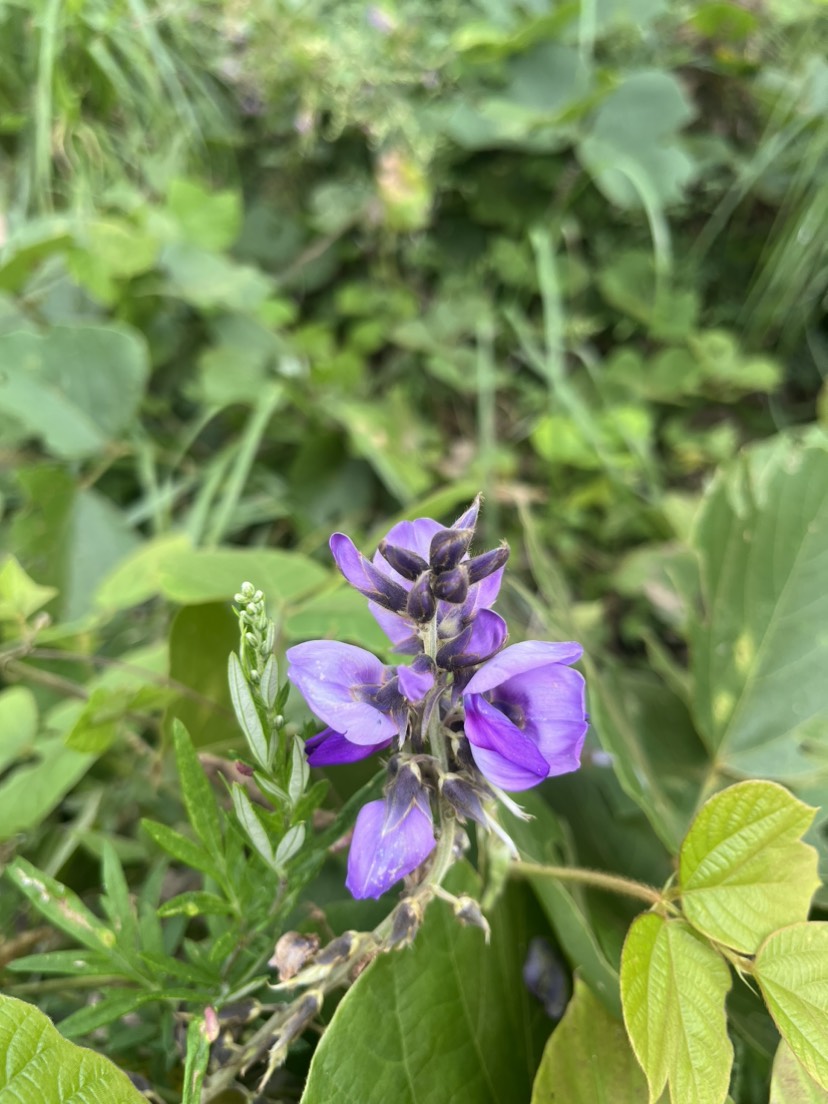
(292, 952)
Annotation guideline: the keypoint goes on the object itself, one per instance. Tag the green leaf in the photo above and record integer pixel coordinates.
(34, 788)
(20, 596)
(69, 537)
(76, 388)
(759, 653)
(117, 901)
(631, 147)
(111, 1006)
(673, 989)
(212, 281)
(60, 906)
(207, 575)
(254, 828)
(195, 903)
(18, 724)
(743, 869)
(183, 849)
(195, 1066)
(588, 1059)
(790, 1083)
(37, 1063)
(199, 798)
(449, 986)
(211, 220)
(792, 970)
(205, 708)
(245, 709)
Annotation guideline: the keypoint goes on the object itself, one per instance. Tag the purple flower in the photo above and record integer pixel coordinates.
(330, 749)
(525, 714)
(350, 690)
(386, 845)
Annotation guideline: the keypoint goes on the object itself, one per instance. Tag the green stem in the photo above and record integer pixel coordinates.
(612, 883)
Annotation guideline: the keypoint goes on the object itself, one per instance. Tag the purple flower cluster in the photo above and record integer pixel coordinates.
(467, 718)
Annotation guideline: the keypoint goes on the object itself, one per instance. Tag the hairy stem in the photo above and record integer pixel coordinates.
(612, 883)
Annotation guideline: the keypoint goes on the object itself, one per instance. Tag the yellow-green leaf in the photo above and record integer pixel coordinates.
(673, 989)
(792, 971)
(743, 869)
(790, 1083)
(588, 1059)
(37, 1063)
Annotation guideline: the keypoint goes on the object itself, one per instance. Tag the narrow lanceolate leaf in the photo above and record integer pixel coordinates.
(37, 1063)
(673, 989)
(245, 709)
(588, 1059)
(792, 971)
(202, 807)
(252, 825)
(743, 869)
(60, 906)
(790, 1081)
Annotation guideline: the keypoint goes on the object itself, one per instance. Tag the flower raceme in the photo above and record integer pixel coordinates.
(466, 719)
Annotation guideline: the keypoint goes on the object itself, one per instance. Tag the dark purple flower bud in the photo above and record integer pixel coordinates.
(381, 855)
(452, 586)
(480, 567)
(525, 714)
(404, 789)
(365, 577)
(475, 643)
(408, 915)
(330, 749)
(448, 547)
(403, 560)
(464, 798)
(416, 681)
(422, 605)
(341, 684)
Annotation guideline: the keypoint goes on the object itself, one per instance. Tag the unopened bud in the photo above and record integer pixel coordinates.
(452, 586)
(463, 797)
(407, 563)
(480, 567)
(210, 1025)
(243, 768)
(448, 547)
(337, 950)
(402, 791)
(422, 605)
(292, 952)
(408, 915)
(469, 913)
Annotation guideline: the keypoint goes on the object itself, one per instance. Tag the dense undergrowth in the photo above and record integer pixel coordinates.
(274, 270)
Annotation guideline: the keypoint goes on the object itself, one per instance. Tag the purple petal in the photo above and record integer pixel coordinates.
(365, 576)
(330, 749)
(378, 859)
(551, 700)
(397, 629)
(330, 676)
(518, 659)
(483, 595)
(502, 772)
(489, 730)
(414, 535)
(415, 683)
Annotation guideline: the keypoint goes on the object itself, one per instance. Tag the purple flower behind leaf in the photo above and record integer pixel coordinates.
(349, 689)
(331, 749)
(525, 714)
(386, 847)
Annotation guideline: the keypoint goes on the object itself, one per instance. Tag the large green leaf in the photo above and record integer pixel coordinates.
(447, 1019)
(631, 147)
(588, 1059)
(38, 1064)
(760, 652)
(673, 989)
(792, 971)
(790, 1083)
(743, 869)
(75, 388)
